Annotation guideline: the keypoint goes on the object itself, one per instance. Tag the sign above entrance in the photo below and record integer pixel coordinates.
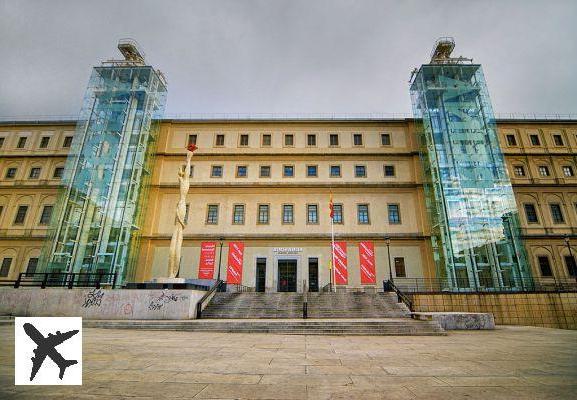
(287, 250)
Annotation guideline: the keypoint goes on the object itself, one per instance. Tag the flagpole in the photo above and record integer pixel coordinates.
(333, 253)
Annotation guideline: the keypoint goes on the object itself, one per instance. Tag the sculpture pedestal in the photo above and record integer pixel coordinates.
(168, 280)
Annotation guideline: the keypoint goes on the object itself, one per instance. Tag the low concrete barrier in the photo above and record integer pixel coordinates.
(451, 321)
(94, 303)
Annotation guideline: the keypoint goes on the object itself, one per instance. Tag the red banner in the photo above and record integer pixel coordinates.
(234, 267)
(206, 265)
(340, 256)
(367, 263)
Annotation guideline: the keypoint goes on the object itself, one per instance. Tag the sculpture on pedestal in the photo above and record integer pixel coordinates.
(179, 222)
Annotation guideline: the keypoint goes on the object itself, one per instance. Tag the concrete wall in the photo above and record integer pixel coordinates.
(99, 303)
(552, 310)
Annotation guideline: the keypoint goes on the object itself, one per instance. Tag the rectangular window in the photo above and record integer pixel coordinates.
(219, 140)
(21, 142)
(244, 140)
(531, 213)
(191, 139)
(263, 214)
(32, 265)
(385, 139)
(519, 170)
(191, 173)
(394, 214)
(44, 142)
(335, 171)
(334, 139)
(2, 142)
(312, 214)
(363, 214)
(288, 171)
(389, 170)
(58, 172)
(212, 214)
(543, 170)
(289, 140)
(187, 209)
(570, 264)
(238, 214)
(360, 171)
(20, 215)
(511, 140)
(556, 213)
(6, 263)
(311, 140)
(558, 139)
(358, 139)
(287, 214)
(216, 171)
(535, 140)
(266, 140)
(568, 170)
(11, 173)
(337, 213)
(544, 266)
(67, 142)
(312, 171)
(241, 171)
(400, 267)
(265, 171)
(1, 211)
(34, 173)
(46, 215)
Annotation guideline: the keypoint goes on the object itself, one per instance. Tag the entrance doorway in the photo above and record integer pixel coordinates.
(313, 274)
(287, 275)
(260, 274)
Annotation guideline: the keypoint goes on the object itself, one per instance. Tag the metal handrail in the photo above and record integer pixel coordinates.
(65, 279)
(401, 297)
(445, 285)
(305, 300)
(214, 288)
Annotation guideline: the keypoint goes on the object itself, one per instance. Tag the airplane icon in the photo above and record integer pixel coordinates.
(47, 348)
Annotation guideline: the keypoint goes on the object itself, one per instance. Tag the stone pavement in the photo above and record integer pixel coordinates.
(508, 363)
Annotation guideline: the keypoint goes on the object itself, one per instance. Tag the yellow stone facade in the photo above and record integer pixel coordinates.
(362, 153)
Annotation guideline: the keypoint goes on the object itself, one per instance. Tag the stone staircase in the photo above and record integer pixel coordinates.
(254, 305)
(355, 305)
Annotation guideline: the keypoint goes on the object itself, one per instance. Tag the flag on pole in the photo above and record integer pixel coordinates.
(331, 208)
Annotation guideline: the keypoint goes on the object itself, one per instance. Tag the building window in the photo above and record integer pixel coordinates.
(20, 215)
(58, 172)
(511, 140)
(312, 171)
(363, 214)
(558, 139)
(244, 140)
(544, 266)
(1, 211)
(531, 213)
(191, 173)
(394, 214)
(568, 170)
(570, 264)
(333, 139)
(241, 171)
(389, 170)
(219, 140)
(287, 214)
(216, 171)
(2, 139)
(46, 215)
(337, 213)
(289, 140)
(264, 171)
(519, 170)
(21, 142)
(263, 214)
(32, 265)
(385, 139)
(400, 267)
(543, 170)
(212, 214)
(335, 171)
(6, 263)
(191, 139)
(358, 139)
(312, 214)
(556, 213)
(288, 171)
(360, 171)
(44, 142)
(67, 142)
(266, 139)
(238, 214)
(535, 140)
(11, 173)
(34, 173)
(311, 140)
(186, 210)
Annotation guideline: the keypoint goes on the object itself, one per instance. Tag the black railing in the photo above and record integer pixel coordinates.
(305, 300)
(238, 288)
(63, 279)
(207, 297)
(401, 297)
(327, 288)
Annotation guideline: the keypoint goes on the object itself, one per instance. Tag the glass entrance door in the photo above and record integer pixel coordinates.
(313, 274)
(287, 275)
(260, 274)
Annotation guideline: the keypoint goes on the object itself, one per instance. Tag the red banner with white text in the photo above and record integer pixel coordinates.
(206, 265)
(340, 256)
(234, 266)
(367, 263)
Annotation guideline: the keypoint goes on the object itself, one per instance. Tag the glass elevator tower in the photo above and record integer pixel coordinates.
(474, 220)
(98, 216)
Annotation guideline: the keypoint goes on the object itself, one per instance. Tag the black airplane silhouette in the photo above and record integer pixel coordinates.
(47, 348)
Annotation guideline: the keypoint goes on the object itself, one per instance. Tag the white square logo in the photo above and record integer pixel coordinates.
(48, 351)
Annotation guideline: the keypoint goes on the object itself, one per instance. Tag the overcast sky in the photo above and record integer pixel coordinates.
(277, 56)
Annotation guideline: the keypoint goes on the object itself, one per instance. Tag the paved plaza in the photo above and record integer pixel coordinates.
(508, 363)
